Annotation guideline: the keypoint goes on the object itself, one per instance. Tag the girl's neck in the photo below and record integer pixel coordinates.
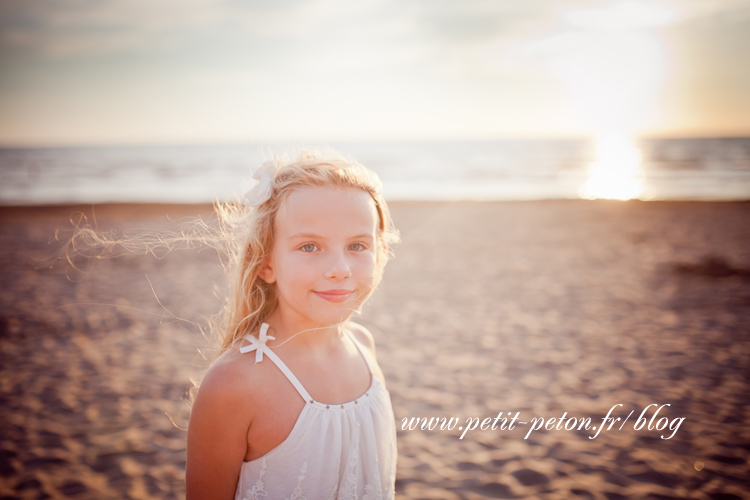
(287, 331)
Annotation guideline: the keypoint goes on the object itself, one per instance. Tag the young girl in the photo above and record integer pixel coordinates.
(295, 406)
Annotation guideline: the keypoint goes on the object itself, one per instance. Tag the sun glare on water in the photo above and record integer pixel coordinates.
(612, 60)
(616, 171)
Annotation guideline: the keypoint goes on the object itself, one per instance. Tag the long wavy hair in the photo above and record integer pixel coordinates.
(244, 237)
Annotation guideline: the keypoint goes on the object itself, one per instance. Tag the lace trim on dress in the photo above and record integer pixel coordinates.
(375, 492)
(258, 490)
(297, 493)
(348, 490)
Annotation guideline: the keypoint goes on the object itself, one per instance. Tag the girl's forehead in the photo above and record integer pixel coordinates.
(322, 207)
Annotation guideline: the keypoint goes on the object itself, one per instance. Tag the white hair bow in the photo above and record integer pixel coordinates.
(261, 192)
(259, 344)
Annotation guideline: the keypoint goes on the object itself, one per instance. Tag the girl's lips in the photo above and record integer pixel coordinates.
(335, 295)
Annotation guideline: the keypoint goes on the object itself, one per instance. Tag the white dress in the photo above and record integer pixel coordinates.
(344, 451)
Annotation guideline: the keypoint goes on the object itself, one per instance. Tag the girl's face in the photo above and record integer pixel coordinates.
(324, 255)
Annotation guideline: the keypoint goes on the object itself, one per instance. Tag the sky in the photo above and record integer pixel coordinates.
(95, 72)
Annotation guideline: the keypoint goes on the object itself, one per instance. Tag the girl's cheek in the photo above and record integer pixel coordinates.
(368, 265)
(300, 259)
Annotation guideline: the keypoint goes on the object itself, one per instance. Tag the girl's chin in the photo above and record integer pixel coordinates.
(323, 314)
(339, 318)
(336, 318)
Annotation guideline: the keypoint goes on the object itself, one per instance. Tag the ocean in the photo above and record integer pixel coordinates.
(613, 167)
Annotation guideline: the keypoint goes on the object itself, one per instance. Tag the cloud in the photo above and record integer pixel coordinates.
(89, 27)
(84, 27)
(696, 9)
(80, 28)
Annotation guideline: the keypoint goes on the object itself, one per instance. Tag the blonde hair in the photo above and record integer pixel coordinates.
(243, 235)
(251, 299)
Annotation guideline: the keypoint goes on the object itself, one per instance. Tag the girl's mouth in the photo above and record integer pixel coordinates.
(335, 295)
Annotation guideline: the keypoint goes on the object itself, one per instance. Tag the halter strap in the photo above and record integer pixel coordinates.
(259, 345)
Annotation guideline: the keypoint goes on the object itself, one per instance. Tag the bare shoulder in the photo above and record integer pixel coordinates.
(229, 381)
(362, 335)
(223, 370)
(365, 338)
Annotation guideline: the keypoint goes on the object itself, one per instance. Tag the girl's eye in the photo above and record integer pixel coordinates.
(357, 247)
(308, 247)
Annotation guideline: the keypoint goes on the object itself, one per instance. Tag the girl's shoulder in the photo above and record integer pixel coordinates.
(235, 380)
(362, 335)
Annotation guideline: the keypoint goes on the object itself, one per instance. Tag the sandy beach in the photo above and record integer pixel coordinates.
(539, 310)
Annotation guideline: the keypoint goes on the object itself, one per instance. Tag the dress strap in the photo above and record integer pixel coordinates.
(259, 346)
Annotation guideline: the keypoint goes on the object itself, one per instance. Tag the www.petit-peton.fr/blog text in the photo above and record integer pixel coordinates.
(651, 418)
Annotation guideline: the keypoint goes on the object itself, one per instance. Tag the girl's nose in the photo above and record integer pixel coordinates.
(339, 267)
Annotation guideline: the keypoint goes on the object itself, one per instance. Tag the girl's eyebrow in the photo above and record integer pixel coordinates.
(317, 236)
(305, 235)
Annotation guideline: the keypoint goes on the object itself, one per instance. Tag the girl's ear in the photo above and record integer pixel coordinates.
(266, 273)
(383, 250)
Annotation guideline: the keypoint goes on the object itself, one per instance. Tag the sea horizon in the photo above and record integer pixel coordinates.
(687, 168)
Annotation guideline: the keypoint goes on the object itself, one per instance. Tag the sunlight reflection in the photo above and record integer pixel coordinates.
(613, 61)
(615, 173)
